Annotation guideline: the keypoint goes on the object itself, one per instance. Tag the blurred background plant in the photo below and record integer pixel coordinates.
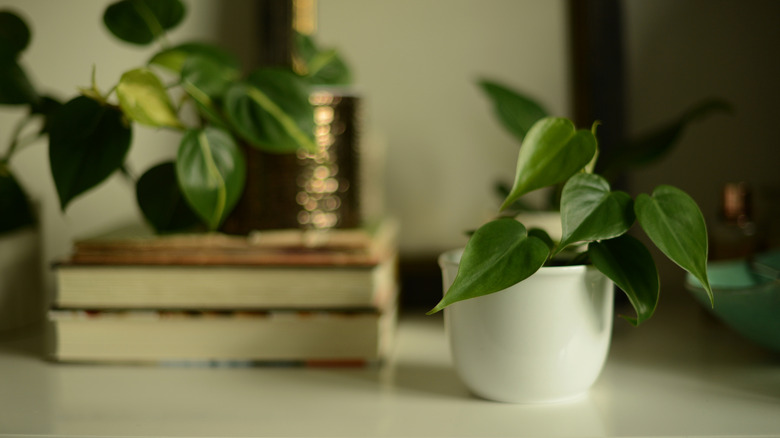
(194, 88)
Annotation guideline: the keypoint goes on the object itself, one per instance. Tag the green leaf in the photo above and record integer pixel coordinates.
(15, 85)
(162, 202)
(209, 76)
(516, 112)
(499, 254)
(591, 211)
(272, 111)
(652, 146)
(321, 67)
(14, 35)
(211, 171)
(15, 208)
(47, 106)
(676, 226)
(627, 262)
(543, 236)
(87, 143)
(143, 98)
(142, 21)
(173, 58)
(552, 152)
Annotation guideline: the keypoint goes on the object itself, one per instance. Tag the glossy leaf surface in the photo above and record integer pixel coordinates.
(591, 211)
(143, 98)
(676, 226)
(15, 208)
(272, 111)
(87, 143)
(162, 202)
(516, 112)
(14, 34)
(211, 171)
(142, 21)
(498, 255)
(552, 152)
(627, 262)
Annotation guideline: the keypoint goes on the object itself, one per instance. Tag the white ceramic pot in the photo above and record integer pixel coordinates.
(542, 340)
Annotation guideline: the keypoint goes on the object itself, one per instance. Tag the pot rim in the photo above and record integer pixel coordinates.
(451, 259)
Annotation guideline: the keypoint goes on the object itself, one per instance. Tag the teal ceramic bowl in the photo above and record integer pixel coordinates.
(747, 296)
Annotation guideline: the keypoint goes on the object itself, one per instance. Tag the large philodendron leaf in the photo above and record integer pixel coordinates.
(591, 211)
(211, 171)
(498, 255)
(627, 262)
(88, 141)
(516, 112)
(676, 226)
(142, 21)
(162, 202)
(143, 98)
(552, 152)
(15, 208)
(272, 111)
(173, 58)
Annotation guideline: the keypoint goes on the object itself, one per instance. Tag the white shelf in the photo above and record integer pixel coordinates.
(681, 374)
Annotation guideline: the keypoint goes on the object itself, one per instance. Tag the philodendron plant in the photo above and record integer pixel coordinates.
(194, 88)
(595, 221)
(516, 112)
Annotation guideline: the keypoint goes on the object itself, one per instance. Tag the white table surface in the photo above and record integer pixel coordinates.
(681, 374)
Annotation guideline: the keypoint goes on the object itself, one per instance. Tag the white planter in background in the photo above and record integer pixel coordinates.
(21, 291)
(543, 340)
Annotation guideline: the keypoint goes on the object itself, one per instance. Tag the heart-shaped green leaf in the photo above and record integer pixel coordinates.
(211, 171)
(591, 211)
(552, 152)
(627, 262)
(162, 202)
(14, 35)
(15, 208)
(498, 255)
(142, 21)
(676, 226)
(272, 111)
(516, 112)
(143, 98)
(173, 58)
(88, 141)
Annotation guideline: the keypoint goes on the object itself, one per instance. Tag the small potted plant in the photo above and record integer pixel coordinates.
(194, 88)
(530, 318)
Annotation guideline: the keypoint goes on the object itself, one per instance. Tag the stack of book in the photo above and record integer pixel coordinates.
(310, 297)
